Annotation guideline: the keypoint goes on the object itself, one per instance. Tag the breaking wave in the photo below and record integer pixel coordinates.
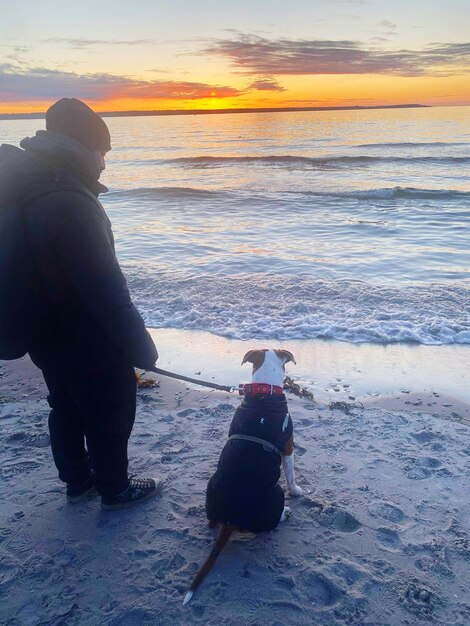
(385, 193)
(305, 162)
(303, 308)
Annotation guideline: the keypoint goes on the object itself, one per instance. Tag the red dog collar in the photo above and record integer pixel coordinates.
(259, 389)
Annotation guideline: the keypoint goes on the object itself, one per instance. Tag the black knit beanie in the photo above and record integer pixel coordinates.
(72, 117)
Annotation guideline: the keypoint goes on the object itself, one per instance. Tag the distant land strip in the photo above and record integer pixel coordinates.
(38, 116)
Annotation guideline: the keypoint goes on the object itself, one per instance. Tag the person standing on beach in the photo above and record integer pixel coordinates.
(95, 334)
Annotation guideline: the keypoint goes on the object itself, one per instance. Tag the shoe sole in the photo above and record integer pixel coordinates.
(81, 497)
(125, 505)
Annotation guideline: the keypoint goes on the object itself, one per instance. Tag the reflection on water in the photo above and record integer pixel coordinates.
(336, 224)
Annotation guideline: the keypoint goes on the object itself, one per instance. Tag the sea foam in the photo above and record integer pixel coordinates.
(249, 307)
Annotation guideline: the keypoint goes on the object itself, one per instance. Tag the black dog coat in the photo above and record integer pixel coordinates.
(244, 490)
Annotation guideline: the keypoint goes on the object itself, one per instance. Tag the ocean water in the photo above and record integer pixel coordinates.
(351, 225)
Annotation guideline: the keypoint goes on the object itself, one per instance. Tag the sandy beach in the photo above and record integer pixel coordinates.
(380, 538)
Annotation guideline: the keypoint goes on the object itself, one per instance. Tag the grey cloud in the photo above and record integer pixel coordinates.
(379, 39)
(15, 53)
(257, 55)
(43, 84)
(387, 27)
(39, 84)
(266, 84)
(84, 43)
(387, 24)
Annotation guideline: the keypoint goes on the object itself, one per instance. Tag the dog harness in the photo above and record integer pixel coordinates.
(259, 389)
(269, 447)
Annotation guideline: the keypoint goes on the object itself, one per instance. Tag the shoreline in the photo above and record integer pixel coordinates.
(21, 382)
(332, 370)
(398, 377)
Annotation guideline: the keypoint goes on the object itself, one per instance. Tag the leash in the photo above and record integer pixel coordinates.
(243, 390)
(204, 383)
(289, 385)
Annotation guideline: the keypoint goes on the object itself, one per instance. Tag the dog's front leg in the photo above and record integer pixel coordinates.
(288, 465)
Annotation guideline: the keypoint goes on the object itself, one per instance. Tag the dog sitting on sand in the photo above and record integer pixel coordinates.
(244, 494)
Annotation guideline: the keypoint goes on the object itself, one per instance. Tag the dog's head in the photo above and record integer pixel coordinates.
(268, 365)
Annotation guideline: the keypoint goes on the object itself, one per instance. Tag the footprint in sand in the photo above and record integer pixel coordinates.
(418, 600)
(419, 468)
(414, 471)
(310, 503)
(225, 406)
(425, 436)
(352, 611)
(185, 412)
(461, 545)
(310, 407)
(347, 572)
(320, 590)
(428, 564)
(172, 562)
(431, 462)
(23, 439)
(4, 534)
(339, 468)
(17, 438)
(388, 539)
(41, 440)
(7, 471)
(387, 511)
(335, 518)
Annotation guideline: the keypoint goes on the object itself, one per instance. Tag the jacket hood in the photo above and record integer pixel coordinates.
(46, 159)
(64, 153)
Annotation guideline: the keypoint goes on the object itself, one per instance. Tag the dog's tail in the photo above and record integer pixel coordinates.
(222, 538)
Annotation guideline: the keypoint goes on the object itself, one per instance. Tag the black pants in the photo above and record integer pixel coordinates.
(96, 409)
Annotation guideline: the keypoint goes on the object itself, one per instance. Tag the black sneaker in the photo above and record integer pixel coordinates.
(139, 489)
(78, 492)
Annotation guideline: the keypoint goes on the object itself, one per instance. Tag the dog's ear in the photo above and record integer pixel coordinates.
(285, 355)
(256, 357)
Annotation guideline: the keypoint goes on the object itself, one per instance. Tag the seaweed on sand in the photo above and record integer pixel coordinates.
(302, 392)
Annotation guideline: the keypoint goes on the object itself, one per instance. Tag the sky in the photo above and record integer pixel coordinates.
(214, 54)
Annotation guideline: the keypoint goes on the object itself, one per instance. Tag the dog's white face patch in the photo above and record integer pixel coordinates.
(268, 365)
(271, 371)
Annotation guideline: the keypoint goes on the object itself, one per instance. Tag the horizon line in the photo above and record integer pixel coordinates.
(158, 112)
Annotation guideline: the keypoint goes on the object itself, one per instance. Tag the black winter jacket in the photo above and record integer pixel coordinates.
(54, 182)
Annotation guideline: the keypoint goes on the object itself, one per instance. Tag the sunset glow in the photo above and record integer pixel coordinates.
(327, 53)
